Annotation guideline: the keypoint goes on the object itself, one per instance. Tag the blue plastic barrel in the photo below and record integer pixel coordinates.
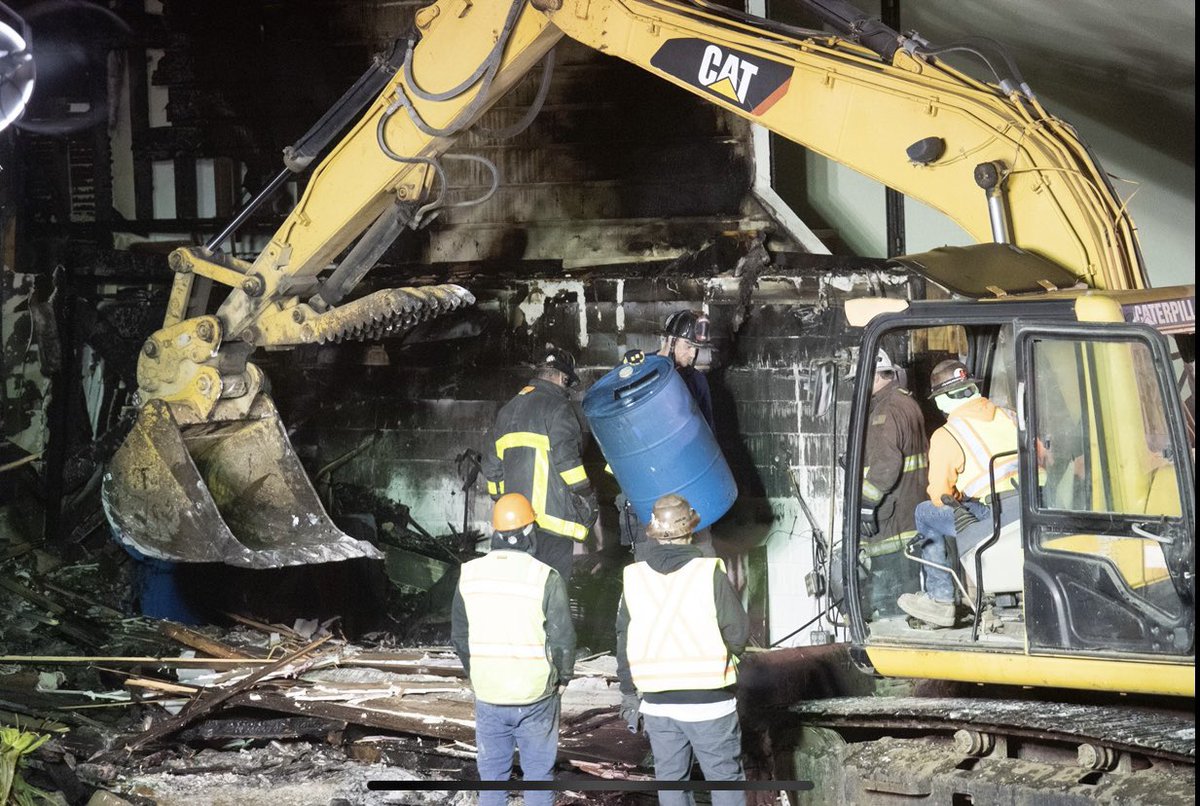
(656, 440)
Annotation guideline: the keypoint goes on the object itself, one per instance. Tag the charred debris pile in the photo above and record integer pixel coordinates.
(273, 689)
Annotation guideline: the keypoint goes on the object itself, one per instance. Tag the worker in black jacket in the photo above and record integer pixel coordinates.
(680, 630)
(895, 470)
(535, 448)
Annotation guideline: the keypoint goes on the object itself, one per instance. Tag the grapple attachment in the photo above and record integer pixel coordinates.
(229, 492)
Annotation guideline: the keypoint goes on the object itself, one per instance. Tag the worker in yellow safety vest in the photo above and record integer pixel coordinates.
(960, 501)
(680, 630)
(510, 624)
(535, 448)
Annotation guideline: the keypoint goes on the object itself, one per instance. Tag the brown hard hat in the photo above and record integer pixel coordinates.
(512, 512)
(672, 516)
(949, 376)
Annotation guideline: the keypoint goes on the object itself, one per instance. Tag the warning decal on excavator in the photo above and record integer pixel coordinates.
(747, 81)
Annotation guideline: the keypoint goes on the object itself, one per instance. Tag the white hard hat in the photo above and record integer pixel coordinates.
(883, 363)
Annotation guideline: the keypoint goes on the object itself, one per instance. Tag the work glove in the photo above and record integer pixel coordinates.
(587, 507)
(963, 517)
(868, 524)
(631, 711)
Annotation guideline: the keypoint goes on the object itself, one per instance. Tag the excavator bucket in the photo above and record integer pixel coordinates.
(234, 492)
(230, 492)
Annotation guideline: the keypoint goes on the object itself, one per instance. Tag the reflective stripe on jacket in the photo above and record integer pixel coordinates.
(674, 640)
(503, 593)
(979, 437)
(535, 449)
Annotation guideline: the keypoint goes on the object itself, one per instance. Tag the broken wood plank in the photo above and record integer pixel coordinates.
(151, 684)
(200, 642)
(205, 705)
(44, 602)
(294, 727)
(608, 742)
(267, 628)
(16, 551)
(102, 609)
(440, 722)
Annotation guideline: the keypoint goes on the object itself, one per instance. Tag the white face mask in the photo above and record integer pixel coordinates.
(947, 404)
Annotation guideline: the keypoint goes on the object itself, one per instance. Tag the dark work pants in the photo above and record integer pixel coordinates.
(555, 551)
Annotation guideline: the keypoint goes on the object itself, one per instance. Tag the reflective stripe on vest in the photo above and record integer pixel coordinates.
(980, 440)
(540, 445)
(503, 593)
(674, 641)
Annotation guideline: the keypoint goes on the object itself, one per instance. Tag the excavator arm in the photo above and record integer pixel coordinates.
(985, 154)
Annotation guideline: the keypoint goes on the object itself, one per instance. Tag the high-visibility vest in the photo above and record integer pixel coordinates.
(503, 593)
(674, 642)
(980, 440)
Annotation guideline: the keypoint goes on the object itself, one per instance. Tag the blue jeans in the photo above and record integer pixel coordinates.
(532, 729)
(715, 743)
(935, 524)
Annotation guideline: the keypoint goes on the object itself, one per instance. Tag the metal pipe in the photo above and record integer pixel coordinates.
(363, 257)
(987, 544)
(990, 177)
(215, 242)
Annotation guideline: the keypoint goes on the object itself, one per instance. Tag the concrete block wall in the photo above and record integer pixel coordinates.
(411, 419)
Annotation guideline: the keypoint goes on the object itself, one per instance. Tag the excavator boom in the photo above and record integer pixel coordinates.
(986, 154)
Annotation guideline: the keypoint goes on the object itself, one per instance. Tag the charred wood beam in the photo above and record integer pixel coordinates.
(200, 642)
(302, 727)
(203, 706)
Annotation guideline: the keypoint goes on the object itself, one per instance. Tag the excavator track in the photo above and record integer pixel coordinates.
(1167, 736)
(963, 750)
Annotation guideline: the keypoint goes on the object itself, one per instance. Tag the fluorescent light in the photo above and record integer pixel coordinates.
(16, 75)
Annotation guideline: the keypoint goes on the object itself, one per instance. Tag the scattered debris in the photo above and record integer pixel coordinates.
(143, 711)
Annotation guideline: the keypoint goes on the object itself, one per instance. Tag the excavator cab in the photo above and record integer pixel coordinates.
(1094, 556)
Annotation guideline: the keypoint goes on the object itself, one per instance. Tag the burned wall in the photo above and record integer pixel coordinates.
(397, 419)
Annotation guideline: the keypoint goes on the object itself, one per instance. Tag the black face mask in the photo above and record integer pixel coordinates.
(522, 540)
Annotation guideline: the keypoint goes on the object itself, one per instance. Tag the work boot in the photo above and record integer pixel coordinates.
(922, 606)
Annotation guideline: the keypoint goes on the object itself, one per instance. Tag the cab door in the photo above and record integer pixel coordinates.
(1110, 521)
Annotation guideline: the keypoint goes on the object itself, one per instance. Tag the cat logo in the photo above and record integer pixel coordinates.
(726, 74)
(749, 82)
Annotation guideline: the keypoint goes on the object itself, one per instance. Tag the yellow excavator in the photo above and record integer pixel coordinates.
(1094, 588)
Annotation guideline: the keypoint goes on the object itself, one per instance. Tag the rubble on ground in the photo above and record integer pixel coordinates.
(155, 712)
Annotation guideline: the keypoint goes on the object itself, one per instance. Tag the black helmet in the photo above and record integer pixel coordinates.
(690, 325)
(948, 377)
(561, 360)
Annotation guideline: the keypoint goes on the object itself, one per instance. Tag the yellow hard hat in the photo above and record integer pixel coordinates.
(512, 512)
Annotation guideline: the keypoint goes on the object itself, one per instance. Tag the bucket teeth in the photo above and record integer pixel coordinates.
(389, 312)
